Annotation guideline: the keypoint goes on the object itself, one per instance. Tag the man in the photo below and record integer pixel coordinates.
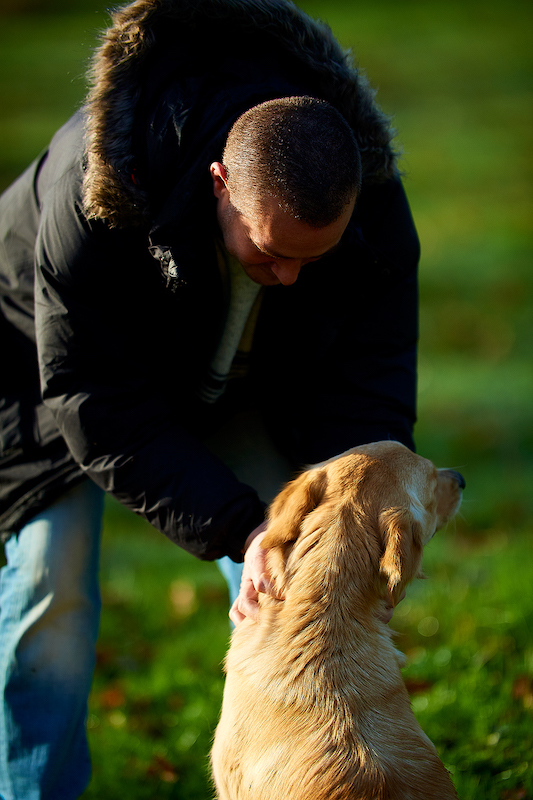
(216, 251)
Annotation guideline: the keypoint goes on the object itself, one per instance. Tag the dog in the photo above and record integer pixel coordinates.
(314, 704)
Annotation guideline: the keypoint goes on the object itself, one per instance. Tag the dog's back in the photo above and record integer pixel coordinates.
(314, 704)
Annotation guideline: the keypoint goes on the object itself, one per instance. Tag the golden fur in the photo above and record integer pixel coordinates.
(315, 707)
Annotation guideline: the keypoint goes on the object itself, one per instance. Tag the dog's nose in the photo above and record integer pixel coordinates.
(458, 477)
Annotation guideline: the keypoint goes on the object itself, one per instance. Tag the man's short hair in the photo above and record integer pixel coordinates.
(297, 150)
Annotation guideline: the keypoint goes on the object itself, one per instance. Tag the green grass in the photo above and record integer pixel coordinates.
(456, 76)
(470, 659)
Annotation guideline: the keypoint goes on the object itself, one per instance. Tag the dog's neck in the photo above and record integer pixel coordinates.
(330, 581)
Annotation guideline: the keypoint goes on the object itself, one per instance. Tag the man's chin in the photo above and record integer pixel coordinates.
(261, 275)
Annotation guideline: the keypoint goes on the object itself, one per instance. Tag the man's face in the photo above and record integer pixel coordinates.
(272, 247)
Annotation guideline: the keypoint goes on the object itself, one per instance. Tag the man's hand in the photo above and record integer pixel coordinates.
(255, 578)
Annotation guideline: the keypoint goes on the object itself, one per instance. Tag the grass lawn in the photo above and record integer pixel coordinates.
(456, 76)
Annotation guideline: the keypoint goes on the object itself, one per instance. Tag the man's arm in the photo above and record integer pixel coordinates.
(109, 352)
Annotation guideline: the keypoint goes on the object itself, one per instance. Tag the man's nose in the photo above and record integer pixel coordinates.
(288, 271)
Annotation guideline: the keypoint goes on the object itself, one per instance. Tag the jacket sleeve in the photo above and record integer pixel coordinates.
(350, 373)
(103, 351)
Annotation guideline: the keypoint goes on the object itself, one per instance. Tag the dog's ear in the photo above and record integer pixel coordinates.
(292, 505)
(402, 540)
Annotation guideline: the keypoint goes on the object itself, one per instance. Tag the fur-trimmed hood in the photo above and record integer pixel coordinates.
(133, 135)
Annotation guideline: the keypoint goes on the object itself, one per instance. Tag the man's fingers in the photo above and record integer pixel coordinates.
(265, 585)
(255, 580)
(234, 613)
(243, 608)
(246, 604)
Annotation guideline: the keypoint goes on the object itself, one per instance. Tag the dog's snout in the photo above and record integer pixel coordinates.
(457, 477)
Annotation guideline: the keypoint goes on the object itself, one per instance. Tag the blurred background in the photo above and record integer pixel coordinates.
(457, 79)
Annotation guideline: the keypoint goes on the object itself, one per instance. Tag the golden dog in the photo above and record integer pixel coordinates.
(315, 707)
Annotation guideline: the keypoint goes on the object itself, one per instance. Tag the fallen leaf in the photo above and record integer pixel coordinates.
(523, 690)
(163, 770)
(416, 687)
(183, 598)
(518, 793)
(112, 697)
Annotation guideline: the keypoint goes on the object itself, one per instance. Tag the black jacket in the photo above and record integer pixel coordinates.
(111, 301)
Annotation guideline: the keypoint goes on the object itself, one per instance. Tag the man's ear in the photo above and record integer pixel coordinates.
(219, 177)
(292, 505)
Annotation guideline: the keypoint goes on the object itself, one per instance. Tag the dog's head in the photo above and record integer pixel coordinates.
(380, 503)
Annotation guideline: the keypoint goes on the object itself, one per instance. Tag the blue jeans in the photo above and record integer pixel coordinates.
(49, 617)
